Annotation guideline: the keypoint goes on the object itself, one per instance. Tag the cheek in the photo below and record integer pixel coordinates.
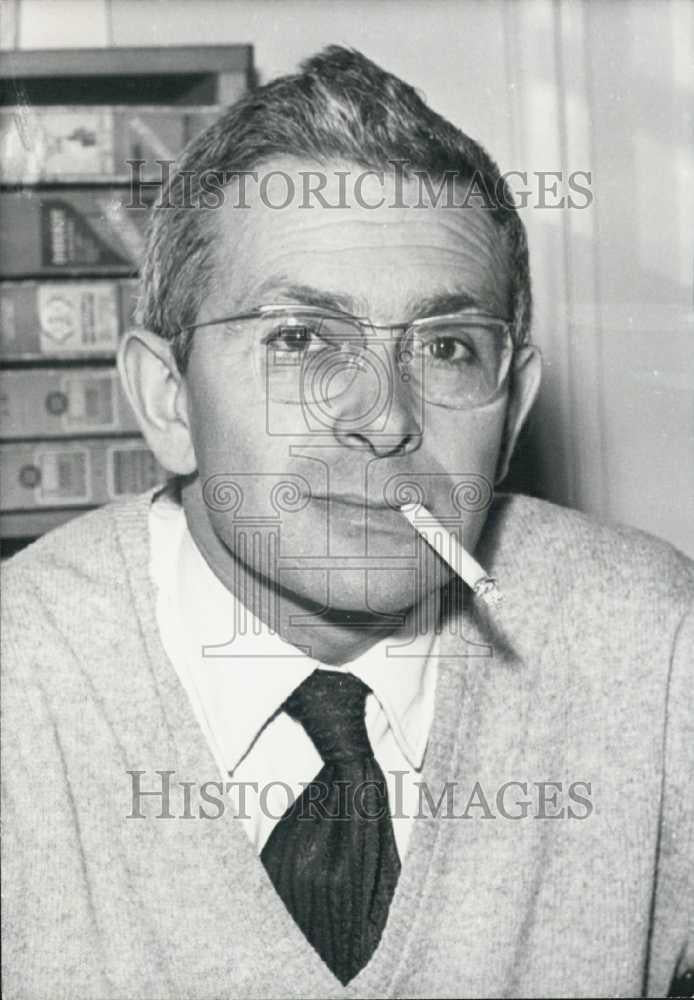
(230, 414)
(466, 442)
(227, 417)
(464, 450)
(239, 463)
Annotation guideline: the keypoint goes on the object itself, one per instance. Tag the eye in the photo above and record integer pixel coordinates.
(450, 350)
(292, 339)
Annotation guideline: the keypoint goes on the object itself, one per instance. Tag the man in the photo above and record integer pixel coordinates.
(420, 795)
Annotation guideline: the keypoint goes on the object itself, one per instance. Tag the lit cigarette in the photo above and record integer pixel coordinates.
(452, 552)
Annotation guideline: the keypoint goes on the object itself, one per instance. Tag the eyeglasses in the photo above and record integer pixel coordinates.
(307, 355)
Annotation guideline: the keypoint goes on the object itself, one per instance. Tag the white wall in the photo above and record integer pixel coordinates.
(601, 86)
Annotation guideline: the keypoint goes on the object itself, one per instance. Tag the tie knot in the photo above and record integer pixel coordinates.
(330, 706)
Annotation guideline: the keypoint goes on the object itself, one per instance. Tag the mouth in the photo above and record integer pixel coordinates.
(354, 500)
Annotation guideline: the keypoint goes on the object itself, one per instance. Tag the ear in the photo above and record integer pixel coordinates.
(156, 391)
(525, 382)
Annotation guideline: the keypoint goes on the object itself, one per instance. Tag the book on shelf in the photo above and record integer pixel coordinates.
(82, 143)
(60, 402)
(78, 232)
(75, 473)
(60, 320)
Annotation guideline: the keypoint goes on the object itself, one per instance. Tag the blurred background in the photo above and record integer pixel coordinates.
(599, 89)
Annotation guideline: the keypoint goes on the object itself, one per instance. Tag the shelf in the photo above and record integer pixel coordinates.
(71, 359)
(201, 74)
(29, 524)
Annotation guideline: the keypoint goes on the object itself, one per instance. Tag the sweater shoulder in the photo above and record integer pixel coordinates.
(73, 569)
(569, 553)
(597, 613)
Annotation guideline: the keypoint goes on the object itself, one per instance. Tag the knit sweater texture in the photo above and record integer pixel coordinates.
(583, 675)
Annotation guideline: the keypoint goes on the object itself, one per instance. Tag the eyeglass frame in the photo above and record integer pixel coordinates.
(258, 312)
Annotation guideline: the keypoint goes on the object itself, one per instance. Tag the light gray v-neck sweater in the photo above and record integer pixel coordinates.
(585, 675)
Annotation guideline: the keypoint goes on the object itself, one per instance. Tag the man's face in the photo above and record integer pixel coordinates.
(392, 265)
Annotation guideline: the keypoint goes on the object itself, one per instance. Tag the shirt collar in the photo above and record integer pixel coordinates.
(246, 675)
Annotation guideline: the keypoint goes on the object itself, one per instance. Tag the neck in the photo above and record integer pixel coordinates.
(331, 635)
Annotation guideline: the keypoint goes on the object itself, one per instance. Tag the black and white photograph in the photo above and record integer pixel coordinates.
(347, 499)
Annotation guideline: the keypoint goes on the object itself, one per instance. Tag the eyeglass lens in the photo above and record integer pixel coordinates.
(449, 361)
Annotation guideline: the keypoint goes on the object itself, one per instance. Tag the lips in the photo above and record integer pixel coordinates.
(354, 500)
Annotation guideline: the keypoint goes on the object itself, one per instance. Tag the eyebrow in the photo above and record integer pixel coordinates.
(436, 304)
(306, 295)
(441, 304)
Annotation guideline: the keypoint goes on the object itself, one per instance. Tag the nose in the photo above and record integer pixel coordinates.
(383, 418)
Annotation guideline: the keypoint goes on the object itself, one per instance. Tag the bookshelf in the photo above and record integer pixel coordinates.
(69, 119)
(212, 74)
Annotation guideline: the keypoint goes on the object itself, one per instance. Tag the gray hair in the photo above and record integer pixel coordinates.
(339, 106)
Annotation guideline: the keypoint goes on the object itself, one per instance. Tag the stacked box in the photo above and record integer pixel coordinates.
(58, 402)
(68, 319)
(76, 144)
(74, 473)
(79, 232)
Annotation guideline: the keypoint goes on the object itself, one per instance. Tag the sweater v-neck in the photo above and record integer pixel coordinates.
(230, 840)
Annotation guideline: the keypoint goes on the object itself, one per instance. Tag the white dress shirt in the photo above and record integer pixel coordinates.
(236, 688)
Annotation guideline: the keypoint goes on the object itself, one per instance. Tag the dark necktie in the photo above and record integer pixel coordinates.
(333, 857)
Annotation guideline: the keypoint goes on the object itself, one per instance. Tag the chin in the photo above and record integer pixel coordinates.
(358, 593)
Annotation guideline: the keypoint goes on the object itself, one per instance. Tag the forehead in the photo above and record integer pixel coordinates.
(363, 239)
